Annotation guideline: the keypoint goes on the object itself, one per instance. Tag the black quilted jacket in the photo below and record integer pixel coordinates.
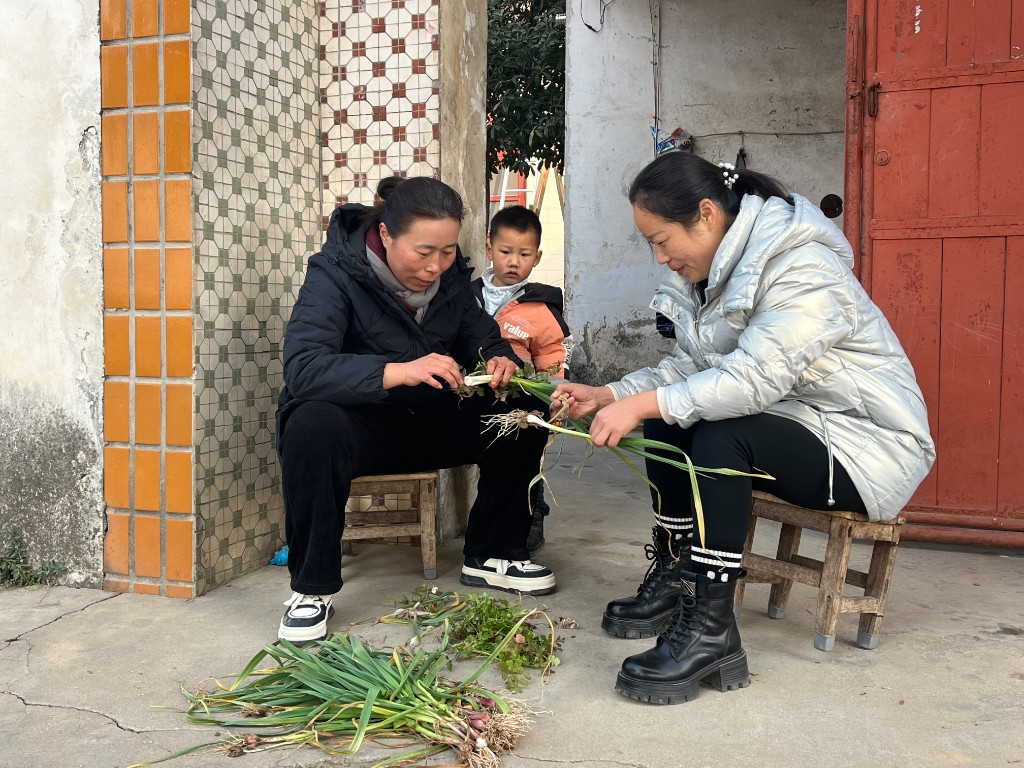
(346, 326)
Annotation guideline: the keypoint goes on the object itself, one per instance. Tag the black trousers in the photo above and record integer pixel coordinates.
(783, 448)
(324, 446)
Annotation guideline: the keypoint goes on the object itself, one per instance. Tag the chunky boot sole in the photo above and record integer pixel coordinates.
(728, 674)
(636, 628)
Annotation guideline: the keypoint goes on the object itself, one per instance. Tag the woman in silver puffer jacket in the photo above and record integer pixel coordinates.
(783, 365)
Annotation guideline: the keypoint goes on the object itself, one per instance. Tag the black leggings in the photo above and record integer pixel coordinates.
(324, 446)
(781, 447)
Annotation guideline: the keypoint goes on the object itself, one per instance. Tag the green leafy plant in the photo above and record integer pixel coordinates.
(17, 571)
(483, 626)
(337, 693)
(525, 84)
(476, 624)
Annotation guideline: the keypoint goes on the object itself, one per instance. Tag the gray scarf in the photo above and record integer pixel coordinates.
(418, 301)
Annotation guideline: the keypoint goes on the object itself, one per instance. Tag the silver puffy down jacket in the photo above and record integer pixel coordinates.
(787, 329)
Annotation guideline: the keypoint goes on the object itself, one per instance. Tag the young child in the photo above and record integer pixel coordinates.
(529, 314)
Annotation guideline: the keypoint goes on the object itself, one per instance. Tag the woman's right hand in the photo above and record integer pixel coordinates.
(582, 399)
(423, 370)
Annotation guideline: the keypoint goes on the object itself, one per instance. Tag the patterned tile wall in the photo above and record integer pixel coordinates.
(256, 220)
(149, 546)
(379, 70)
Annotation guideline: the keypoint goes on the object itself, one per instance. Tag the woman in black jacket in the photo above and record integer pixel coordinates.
(383, 326)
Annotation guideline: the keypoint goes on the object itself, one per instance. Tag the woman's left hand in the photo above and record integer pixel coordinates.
(501, 369)
(620, 418)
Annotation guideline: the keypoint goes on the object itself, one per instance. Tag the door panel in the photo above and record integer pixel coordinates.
(936, 105)
(1011, 430)
(953, 152)
(1001, 156)
(907, 285)
(911, 35)
(969, 373)
(901, 155)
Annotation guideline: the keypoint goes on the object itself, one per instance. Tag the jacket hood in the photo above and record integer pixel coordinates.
(346, 231)
(763, 229)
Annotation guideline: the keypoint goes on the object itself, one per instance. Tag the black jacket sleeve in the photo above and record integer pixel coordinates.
(479, 337)
(315, 368)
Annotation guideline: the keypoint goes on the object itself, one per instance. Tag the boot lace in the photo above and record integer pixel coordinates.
(659, 571)
(688, 622)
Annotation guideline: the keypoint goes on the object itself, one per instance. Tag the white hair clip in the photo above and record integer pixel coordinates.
(729, 174)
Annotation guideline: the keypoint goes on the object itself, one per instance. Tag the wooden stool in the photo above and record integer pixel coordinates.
(829, 575)
(418, 522)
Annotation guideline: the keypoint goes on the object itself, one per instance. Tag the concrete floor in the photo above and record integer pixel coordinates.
(93, 679)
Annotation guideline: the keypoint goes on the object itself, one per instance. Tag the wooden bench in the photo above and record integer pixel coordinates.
(828, 575)
(418, 522)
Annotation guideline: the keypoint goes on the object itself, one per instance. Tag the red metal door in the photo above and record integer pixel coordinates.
(935, 192)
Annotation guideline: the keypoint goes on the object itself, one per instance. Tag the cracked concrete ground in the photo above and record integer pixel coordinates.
(93, 679)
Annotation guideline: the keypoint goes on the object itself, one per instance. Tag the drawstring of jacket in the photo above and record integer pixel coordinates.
(831, 460)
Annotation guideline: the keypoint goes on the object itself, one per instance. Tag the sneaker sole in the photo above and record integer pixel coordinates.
(728, 674)
(472, 577)
(305, 634)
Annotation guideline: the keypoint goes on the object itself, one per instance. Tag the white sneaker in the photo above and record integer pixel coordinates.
(305, 618)
(519, 576)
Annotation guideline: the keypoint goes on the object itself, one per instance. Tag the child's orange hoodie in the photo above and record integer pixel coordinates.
(530, 317)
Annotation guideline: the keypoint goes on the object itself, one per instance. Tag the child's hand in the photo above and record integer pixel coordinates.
(501, 369)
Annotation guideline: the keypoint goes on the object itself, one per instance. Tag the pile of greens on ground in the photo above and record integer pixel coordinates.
(477, 623)
(337, 693)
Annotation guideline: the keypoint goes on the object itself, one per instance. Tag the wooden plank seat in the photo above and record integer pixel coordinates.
(829, 575)
(418, 522)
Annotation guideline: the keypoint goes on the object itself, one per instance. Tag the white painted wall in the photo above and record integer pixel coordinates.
(768, 69)
(51, 345)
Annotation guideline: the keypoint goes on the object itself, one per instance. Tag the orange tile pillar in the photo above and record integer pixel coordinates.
(150, 543)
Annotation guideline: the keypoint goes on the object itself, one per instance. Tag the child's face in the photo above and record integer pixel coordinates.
(513, 255)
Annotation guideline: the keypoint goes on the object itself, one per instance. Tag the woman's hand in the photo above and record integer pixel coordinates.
(501, 369)
(582, 400)
(424, 370)
(620, 418)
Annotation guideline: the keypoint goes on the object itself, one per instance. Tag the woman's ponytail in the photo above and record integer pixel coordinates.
(754, 183)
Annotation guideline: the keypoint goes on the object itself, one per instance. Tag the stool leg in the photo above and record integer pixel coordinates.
(346, 547)
(833, 577)
(789, 544)
(737, 602)
(428, 528)
(883, 558)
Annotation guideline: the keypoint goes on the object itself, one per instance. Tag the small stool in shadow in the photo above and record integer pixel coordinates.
(419, 521)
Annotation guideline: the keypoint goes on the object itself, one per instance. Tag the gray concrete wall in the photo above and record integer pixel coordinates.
(51, 347)
(774, 71)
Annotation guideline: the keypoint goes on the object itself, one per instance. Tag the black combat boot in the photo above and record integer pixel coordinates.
(702, 643)
(647, 612)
